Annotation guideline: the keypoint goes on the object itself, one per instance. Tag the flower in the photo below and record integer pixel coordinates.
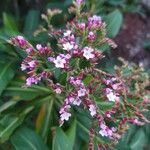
(32, 80)
(77, 101)
(81, 92)
(112, 97)
(57, 88)
(79, 2)
(68, 46)
(88, 53)
(94, 21)
(67, 33)
(82, 26)
(91, 36)
(38, 46)
(29, 50)
(19, 41)
(23, 67)
(59, 62)
(65, 116)
(92, 110)
(105, 131)
(32, 64)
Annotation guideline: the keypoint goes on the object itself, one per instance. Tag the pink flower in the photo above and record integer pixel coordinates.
(29, 50)
(105, 131)
(82, 92)
(88, 53)
(43, 50)
(19, 41)
(32, 80)
(32, 64)
(77, 101)
(91, 36)
(94, 21)
(92, 110)
(68, 46)
(23, 67)
(65, 116)
(112, 97)
(82, 26)
(60, 62)
(79, 2)
(58, 88)
(67, 33)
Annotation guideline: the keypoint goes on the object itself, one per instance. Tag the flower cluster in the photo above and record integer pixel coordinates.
(85, 86)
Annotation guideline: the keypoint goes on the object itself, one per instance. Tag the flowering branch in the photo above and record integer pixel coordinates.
(84, 85)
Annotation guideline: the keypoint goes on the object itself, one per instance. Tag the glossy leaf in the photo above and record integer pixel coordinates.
(9, 23)
(31, 22)
(10, 122)
(7, 105)
(114, 21)
(61, 141)
(6, 74)
(71, 133)
(26, 139)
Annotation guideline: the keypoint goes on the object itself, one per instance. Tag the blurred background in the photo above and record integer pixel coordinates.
(128, 24)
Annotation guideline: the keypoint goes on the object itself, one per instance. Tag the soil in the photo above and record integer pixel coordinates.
(132, 39)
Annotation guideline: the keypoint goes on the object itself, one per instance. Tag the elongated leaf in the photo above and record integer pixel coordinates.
(26, 139)
(10, 122)
(24, 94)
(71, 133)
(7, 105)
(61, 141)
(9, 23)
(139, 140)
(47, 118)
(114, 21)
(6, 74)
(31, 22)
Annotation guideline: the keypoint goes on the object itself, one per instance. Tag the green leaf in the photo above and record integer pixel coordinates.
(71, 133)
(9, 23)
(10, 122)
(24, 94)
(61, 141)
(31, 22)
(6, 74)
(26, 139)
(46, 123)
(104, 106)
(139, 140)
(7, 105)
(114, 21)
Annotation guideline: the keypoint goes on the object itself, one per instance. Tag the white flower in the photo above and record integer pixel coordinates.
(65, 116)
(59, 62)
(81, 92)
(32, 63)
(92, 110)
(77, 101)
(87, 53)
(58, 90)
(67, 33)
(68, 46)
(20, 37)
(112, 97)
(23, 67)
(38, 46)
(103, 133)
